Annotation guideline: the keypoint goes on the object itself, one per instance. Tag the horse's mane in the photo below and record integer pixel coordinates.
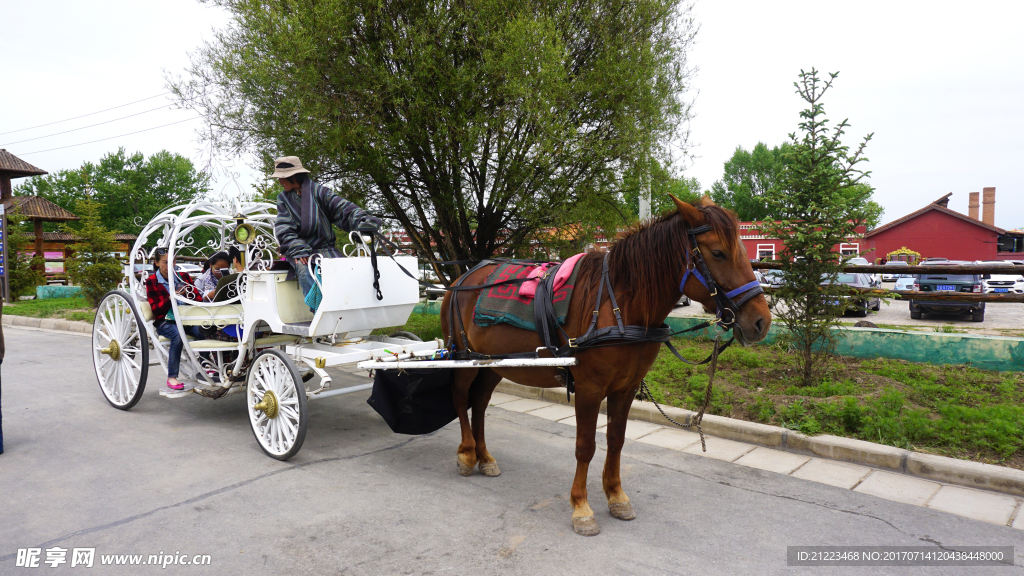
(648, 260)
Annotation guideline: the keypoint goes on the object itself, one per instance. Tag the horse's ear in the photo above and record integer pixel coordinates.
(707, 201)
(692, 216)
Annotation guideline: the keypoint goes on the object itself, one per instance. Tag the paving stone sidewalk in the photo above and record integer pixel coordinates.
(995, 508)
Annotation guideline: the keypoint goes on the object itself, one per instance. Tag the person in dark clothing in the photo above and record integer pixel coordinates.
(2, 350)
(306, 215)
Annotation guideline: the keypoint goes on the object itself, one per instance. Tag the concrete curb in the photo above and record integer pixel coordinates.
(47, 324)
(938, 468)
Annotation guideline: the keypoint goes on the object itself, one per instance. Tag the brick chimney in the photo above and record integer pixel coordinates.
(972, 205)
(988, 206)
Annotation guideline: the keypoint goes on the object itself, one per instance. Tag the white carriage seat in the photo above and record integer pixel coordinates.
(210, 316)
(145, 310)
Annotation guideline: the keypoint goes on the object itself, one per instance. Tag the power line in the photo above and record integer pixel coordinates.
(84, 127)
(111, 138)
(83, 115)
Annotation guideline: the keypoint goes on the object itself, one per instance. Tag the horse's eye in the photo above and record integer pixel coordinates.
(718, 254)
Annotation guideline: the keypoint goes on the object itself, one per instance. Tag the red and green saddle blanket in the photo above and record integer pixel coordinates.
(506, 303)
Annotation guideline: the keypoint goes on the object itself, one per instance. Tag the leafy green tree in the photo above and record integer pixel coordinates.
(93, 265)
(662, 183)
(749, 176)
(130, 188)
(818, 204)
(24, 272)
(472, 125)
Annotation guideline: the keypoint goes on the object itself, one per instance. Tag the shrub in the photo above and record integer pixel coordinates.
(93, 265)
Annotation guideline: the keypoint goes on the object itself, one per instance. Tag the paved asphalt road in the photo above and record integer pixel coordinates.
(186, 477)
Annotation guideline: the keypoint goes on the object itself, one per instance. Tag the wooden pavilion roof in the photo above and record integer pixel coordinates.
(37, 208)
(11, 165)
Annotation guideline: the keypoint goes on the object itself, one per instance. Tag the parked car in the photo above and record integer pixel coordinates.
(892, 276)
(773, 278)
(861, 261)
(905, 282)
(433, 293)
(942, 282)
(859, 305)
(191, 269)
(1002, 283)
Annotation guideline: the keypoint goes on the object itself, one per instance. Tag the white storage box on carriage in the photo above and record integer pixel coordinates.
(349, 303)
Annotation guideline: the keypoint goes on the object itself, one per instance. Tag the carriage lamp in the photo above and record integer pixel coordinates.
(244, 233)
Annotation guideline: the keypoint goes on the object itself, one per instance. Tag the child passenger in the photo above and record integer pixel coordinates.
(158, 294)
(207, 281)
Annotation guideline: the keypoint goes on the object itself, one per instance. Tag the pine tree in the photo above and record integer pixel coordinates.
(819, 203)
(93, 266)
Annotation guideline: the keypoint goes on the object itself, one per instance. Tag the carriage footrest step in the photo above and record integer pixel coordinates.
(168, 393)
(215, 345)
(507, 363)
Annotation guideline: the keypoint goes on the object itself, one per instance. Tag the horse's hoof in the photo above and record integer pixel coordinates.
(464, 469)
(622, 510)
(489, 469)
(586, 526)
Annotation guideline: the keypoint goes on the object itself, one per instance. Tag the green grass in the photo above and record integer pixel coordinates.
(77, 308)
(951, 410)
(426, 326)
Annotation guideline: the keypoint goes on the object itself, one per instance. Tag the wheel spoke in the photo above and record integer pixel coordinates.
(129, 381)
(292, 413)
(106, 321)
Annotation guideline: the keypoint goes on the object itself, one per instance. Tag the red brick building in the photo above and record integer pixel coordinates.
(763, 247)
(938, 231)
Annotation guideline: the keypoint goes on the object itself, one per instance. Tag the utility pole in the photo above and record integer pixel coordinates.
(645, 195)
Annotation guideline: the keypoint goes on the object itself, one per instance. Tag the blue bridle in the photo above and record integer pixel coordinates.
(696, 267)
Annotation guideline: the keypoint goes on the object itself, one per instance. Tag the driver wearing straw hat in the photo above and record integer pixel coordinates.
(306, 211)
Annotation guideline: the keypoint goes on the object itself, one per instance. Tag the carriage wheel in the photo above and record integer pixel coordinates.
(278, 410)
(120, 350)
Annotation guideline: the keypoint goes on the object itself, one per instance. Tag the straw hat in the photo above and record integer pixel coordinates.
(288, 166)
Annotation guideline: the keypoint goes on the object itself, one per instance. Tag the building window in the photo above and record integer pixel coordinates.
(849, 249)
(766, 252)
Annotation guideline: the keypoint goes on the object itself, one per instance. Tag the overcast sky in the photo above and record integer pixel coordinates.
(940, 84)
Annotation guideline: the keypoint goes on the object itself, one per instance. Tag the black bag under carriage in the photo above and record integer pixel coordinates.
(413, 401)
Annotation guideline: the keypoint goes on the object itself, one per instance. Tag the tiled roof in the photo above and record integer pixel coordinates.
(16, 167)
(938, 205)
(33, 207)
(66, 237)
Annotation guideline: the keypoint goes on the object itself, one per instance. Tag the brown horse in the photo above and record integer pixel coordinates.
(646, 268)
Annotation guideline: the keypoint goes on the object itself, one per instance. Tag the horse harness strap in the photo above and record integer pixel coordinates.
(552, 334)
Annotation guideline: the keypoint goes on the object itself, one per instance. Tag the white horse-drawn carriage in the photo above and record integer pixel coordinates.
(282, 347)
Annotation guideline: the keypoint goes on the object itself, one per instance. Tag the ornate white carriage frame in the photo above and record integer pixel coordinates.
(282, 345)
